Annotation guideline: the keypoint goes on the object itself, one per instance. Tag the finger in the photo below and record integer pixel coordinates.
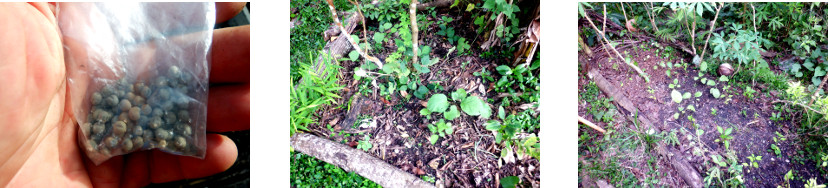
(221, 154)
(231, 55)
(107, 174)
(228, 108)
(227, 10)
(137, 170)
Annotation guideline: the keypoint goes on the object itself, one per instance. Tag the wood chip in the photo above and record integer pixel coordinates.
(434, 163)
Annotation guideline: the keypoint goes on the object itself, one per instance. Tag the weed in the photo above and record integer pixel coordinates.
(724, 136)
(365, 144)
(314, 92)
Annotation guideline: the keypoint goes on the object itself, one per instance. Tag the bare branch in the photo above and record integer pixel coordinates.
(347, 35)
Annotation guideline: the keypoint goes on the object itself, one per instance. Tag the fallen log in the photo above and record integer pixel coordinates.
(353, 160)
(682, 167)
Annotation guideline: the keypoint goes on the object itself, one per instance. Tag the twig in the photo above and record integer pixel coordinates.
(624, 11)
(712, 25)
(808, 107)
(824, 78)
(604, 28)
(414, 30)
(640, 73)
(591, 125)
(348, 36)
(364, 33)
(652, 15)
(754, 31)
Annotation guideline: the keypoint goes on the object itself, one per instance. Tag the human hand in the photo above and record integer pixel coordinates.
(39, 138)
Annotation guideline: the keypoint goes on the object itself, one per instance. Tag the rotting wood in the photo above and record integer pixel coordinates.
(607, 42)
(591, 125)
(686, 171)
(345, 34)
(353, 160)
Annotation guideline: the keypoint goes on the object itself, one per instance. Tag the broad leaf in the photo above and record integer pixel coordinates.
(452, 113)
(676, 96)
(438, 103)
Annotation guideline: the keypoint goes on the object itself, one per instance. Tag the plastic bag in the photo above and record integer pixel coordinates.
(138, 75)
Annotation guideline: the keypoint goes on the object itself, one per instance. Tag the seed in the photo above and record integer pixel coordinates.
(127, 145)
(162, 143)
(162, 134)
(157, 112)
(134, 113)
(146, 110)
(148, 135)
(85, 127)
(102, 115)
(187, 130)
(167, 106)
(185, 78)
(120, 93)
(112, 100)
(182, 102)
(118, 118)
(131, 96)
(180, 142)
(138, 142)
(98, 128)
(155, 122)
(145, 91)
(125, 105)
(122, 117)
(96, 98)
(91, 145)
(123, 82)
(170, 117)
(174, 72)
(119, 128)
(137, 131)
(107, 90)
(111, 142)
(184, 116)
(161, 82)
(139, 101)
(164, 94)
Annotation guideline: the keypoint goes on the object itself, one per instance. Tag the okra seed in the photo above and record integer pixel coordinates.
(112, 100)
(137, 131)
(119, 128)
(138, 142)
(134, 113)
(98, 128)
(111, 142)
(86, 127)
(127, 144)
(96, 98)
(162, 134)
(125, 105)
(155, 123)
(146, 110)
(174, 72)
(180, 142)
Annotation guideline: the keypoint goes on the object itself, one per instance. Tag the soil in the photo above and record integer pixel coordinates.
(749, 117)
(467, 158)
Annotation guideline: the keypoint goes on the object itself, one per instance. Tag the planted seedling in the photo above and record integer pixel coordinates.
(365, 143)
(441, 129)
(724, 136)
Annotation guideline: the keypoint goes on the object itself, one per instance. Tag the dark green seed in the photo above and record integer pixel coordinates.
(180, 142)
(162, 134)
(112, 100)
(138, 142)
(125, 105)
(146, 110)
(111, 142)
(137, 131)
(119, 128)
(134, 113)
(98, 128)
(96, 98)
(127, 145)
(155, 123)
(174, 72)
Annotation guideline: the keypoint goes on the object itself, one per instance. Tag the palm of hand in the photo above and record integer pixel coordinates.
(38, 135)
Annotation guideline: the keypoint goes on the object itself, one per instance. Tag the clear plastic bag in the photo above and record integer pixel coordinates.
(138, 75)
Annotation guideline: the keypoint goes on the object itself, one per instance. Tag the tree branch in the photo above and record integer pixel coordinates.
(638, 70)
(414, 29)
(348, 36)
(712, 25)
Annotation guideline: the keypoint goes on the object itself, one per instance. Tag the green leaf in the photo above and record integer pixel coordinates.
(421, 92)
(438, 103)
(473, 106)
(458, 95)
(433, 139)
(676, 96)
(470, 7)
(819, 72)
(385, 26)
(698, 94)
(379, 37)
(353, 55)
(493, 125)
(703, 66)
(691, 107)
(504, 70)
(715, 92)
(452, 113)
(723, 78)
(509, 181)
(501, 113)
(686, 95)
(425, 112)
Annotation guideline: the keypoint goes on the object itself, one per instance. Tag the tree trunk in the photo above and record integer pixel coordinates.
(353, 160)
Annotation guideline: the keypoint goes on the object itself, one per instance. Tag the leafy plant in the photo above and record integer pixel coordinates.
(509, 181)
(724, 136)
(438, 103)
(440, 129)
(315, 91)
(473, 106)
(365, 143)
(753, 161)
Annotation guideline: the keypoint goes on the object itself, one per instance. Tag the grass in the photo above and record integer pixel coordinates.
(306, 171)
